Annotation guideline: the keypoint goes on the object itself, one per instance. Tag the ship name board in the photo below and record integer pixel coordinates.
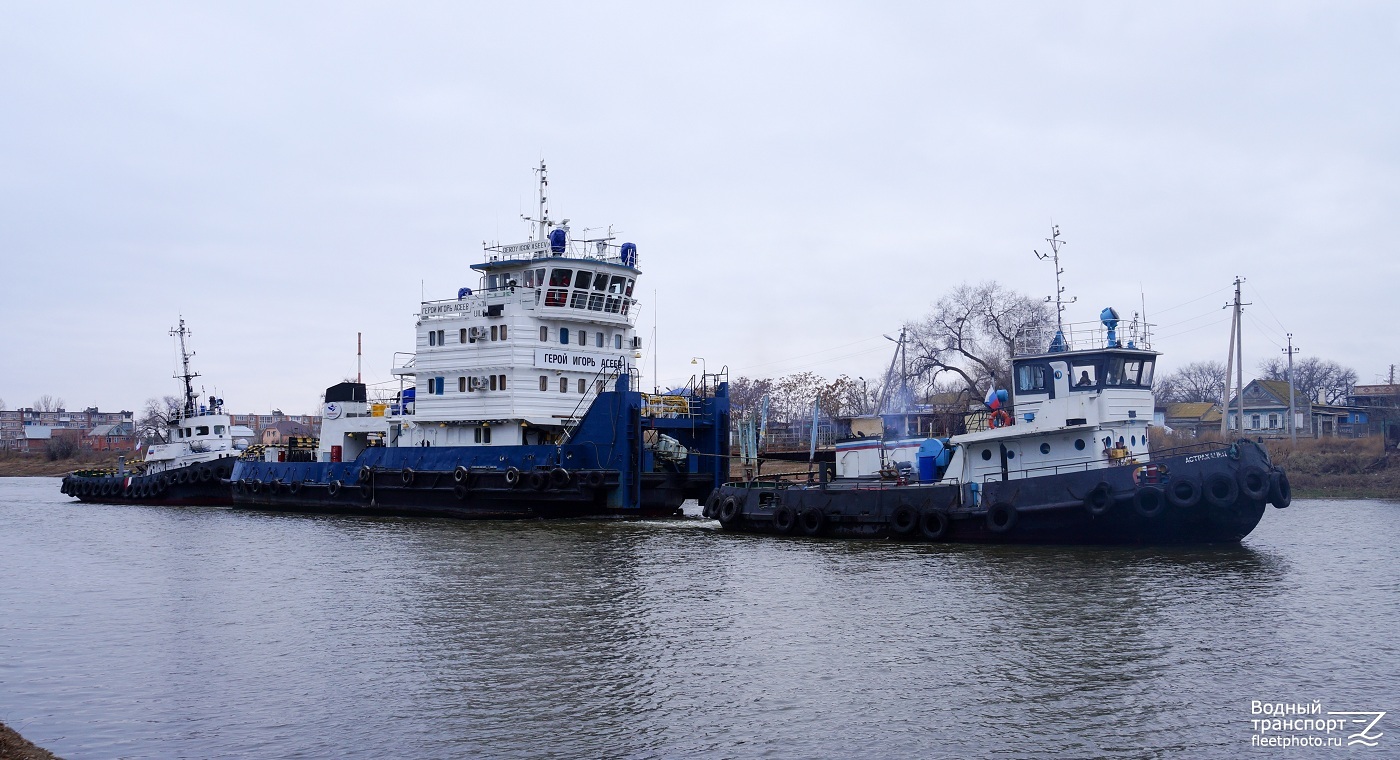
(534, 246)
(451, 309)
(548, 358)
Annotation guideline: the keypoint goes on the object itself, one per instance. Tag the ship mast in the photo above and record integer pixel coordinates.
(188, 376)
(1055, 243)
(542, 223)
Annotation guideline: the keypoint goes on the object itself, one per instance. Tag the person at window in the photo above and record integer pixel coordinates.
(1084, 381)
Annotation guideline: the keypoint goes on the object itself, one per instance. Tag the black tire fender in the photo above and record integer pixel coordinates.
(460, 474)
(935, 524)
(407, 475)
(1254, 483)
(905, 520)
(811, 521)
(784, 519)
(333, 488)
(1184, 493)
(1002, 517)
(536, 480)
(512, 476)
(560, 478)
(1099, 499)
(1221, 490)
(730, 510)
(1280, 491)
(1149, 501)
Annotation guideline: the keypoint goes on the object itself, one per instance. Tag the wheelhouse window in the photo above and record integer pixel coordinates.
(583, 280)
(558, 294)
(218, 430)
(201, 430)
(1084, 376)
(1030, 378)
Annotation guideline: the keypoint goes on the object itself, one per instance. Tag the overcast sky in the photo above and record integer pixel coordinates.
(798, 178)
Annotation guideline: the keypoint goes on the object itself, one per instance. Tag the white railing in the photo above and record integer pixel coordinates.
(1083, 336)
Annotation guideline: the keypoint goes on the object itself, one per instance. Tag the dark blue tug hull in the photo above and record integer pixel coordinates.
(202, 484)
(1213, 495)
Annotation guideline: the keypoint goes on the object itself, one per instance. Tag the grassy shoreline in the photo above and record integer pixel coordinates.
(12, 745)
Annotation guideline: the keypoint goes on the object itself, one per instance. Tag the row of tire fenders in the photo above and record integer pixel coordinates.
(1149, 500)
(463, 480)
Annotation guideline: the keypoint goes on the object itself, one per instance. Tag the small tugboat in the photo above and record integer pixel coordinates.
(519, 401)
(191, 467)
(1070, 464)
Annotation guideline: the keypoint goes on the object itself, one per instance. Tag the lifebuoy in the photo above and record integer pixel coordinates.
(1254, 483)
(1001, 418)
(1099, 500)
(784, 519)
(1280, 491)
(1221, 490)
(811, 521)
(729, 510)
(934, 524)
(1149, 501)
(1184, 493)
(560, 477)
(1002, 517)
(333, 488)
(536, 480)
(904, 520)
(512, 476)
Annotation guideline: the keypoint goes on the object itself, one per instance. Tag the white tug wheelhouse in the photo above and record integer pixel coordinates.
(1083, 400)
(198, 432)
(515, 360)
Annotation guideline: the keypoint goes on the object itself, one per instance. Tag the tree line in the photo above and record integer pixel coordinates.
(1320, 381)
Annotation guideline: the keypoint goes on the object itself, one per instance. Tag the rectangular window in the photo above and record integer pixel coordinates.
(1273, 421)
(440, 386)
(493, 332)
(491, 282)
(1145, 380)
(201, 430)
(563, 385)
(432, 338)
(442, 337)
(583, 337)
(563, 336)
(486, 435)
(1254, 421)
(503, 382)
(493, 382)
(1030, 378)
(583, 280)
(463, 338)
(218, 430)
(462, 385)
(1084, 376)
(544, 382)
(478, 434)
(582, 385)
(503, 332)
(617, 340)
(544, 334)
(529, 278)
(598, 340)
(559, 278)
(579, 300)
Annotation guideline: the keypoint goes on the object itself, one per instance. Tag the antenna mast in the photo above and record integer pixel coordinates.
(1055, 243)
(188, 376)
(542, 223)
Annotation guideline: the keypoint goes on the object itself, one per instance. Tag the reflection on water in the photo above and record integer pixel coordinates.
(152, 632)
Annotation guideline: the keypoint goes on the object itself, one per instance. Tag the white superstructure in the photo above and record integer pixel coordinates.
(517, 357)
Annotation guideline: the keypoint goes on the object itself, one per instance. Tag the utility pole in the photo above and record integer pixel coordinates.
(1234, 361)
(1292, 408)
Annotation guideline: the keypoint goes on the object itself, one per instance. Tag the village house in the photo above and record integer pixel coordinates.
(1266, 413)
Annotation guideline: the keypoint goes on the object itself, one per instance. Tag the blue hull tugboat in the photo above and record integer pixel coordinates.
(189, 468)
(1074, 468)
(519, 401)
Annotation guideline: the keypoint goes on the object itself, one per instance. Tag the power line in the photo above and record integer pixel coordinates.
(1191, 329)
(1193, 300)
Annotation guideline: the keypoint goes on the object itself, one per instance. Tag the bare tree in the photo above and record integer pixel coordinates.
(1321, 381)
(156, 416)
(47, 403)
(60, 447)
(971, 333)
(1196, 382)
(746, 393)
(793, 395)
(849, 396)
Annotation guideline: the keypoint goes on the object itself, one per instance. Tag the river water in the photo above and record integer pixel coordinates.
(130, 631)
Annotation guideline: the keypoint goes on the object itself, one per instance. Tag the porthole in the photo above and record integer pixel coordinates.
(1045, 448)
(1010, 455)
(1134, 440)
(1079, 444)
(986, 455)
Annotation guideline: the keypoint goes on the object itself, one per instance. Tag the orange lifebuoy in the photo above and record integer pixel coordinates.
(1000, 418)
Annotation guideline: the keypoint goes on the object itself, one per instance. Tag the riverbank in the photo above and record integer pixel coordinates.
(1339, 468)
(16, 747)
(14, 465)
